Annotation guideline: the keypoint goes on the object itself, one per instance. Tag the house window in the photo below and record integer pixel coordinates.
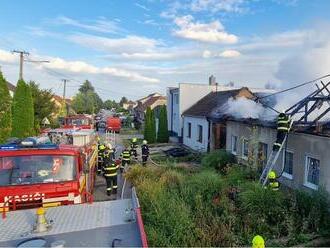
(262, 153)
(176, 98)
(245, 148)
(200, 133)
(288, 164)
(189, 130)
(312, 172)
(234, 144)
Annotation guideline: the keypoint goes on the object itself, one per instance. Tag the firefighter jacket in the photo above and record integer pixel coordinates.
(107, 157)
(110, 170)
(283, 123)
(126, 155)
(145, 150)
(274, 184)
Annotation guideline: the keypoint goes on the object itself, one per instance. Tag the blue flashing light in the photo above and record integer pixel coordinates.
(10, 147)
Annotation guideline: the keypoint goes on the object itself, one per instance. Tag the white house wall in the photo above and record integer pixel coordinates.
(193, 142)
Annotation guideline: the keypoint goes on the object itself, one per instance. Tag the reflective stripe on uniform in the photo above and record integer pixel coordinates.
(277, 144)
(111, 175)
(109, 188)
(115, 187)
(283, 129)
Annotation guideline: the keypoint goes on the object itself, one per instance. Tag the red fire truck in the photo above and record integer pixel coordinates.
(35, 172)
(78, 121)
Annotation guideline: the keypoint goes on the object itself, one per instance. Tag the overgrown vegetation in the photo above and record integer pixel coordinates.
(183, 207)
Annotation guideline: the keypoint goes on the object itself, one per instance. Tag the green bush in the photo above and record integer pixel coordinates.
(220, 160)
(162, 136)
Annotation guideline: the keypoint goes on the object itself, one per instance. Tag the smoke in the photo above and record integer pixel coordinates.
(243, 108)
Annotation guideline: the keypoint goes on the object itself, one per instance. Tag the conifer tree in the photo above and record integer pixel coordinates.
(162, 135)
(5, 110)
(22, 111)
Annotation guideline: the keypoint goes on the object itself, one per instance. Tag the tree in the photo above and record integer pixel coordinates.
(43, 105)
(149, 126)
(23, 113)
(110, 104)
(122, 101)
(5, 110)
(87, 101)
(162, 135)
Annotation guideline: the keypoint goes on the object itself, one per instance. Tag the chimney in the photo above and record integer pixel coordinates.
(212, 80)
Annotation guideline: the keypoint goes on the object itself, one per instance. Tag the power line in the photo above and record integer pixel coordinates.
(294, 87)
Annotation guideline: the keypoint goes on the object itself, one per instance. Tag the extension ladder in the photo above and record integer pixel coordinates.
(272, 160)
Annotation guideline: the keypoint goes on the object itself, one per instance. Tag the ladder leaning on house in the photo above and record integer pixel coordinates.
(272, 160)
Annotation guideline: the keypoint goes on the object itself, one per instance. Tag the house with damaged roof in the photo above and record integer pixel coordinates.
(232, 120)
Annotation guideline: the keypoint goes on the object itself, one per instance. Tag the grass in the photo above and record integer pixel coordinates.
(183, 207)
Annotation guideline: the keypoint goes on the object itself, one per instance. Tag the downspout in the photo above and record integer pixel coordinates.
(171, 111)
(209, 135)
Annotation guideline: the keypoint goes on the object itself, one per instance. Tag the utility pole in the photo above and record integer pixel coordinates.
(64, 101)
(21, 60)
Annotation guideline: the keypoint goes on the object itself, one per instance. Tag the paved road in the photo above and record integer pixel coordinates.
(100, 184)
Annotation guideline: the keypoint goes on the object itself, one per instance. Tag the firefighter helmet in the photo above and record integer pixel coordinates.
(109, 146)
(258, 242)
(272, 175)
(144, 142)
(134, 140)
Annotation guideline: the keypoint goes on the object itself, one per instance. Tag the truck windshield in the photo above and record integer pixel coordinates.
(34, 169)
(78, 122)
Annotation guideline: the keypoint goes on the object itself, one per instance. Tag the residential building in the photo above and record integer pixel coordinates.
(129, 105)
(305, 164)
(11, 88)
(204, 126)
(154, 101)
(58, 101)
(179, 99)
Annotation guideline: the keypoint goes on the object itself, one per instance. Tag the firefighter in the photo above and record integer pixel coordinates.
(258, 242)
(125, 159)
(110, 173)
(145, 152)
(134, 146)
(111, 150)
(273, 182)
(283, 126)
(100, 158)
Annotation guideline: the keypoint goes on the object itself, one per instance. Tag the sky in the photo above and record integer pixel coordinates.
(132, 48)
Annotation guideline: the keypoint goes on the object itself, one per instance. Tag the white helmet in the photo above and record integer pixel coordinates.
(109, 145)
(144, 142)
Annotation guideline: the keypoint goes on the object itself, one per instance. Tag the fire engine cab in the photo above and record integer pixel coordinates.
(35, 172)
(77, 121)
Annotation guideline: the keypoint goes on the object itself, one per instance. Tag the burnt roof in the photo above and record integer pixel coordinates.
(149, 102)
(215, 100)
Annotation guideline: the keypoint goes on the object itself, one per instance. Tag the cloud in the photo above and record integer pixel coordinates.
(224, 54)
(128, 44)
(212, 32)
(236, 6)
(207, 54)
(83, 67)
(142, 6)
(168, 54)
(101, 25)
(229, 54)
(7, 57)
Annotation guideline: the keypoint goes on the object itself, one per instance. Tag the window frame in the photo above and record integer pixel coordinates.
(232, 144)
(189, 130)
(200, 133)
(267, 147)
(306, 183)
(285, 174)
(243, 145)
